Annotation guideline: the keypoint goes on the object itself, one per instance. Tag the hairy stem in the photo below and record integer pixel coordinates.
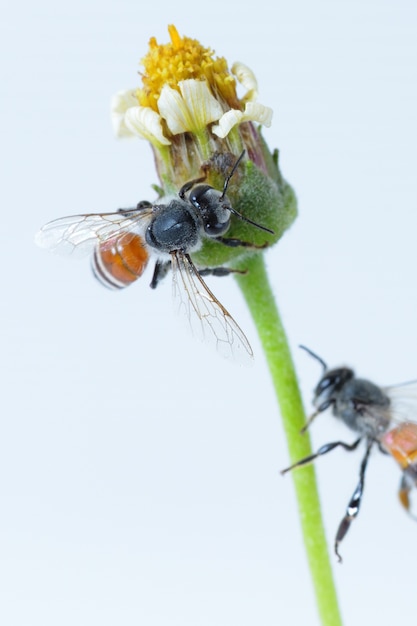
(260, 300)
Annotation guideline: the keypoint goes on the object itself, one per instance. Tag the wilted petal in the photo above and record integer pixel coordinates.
(120, 103)
(254, 112)
(246, 77)
(226, 123)
(145, 123)
(192, 109)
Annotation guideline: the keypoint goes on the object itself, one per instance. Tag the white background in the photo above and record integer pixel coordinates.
(139, 472)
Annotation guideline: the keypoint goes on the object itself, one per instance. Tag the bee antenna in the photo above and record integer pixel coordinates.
(239, 215)
(315, 356)
(229, 176)
(246, 219)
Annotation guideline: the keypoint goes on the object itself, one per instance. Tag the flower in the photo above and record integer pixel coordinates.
(189, 109)
(185, 90)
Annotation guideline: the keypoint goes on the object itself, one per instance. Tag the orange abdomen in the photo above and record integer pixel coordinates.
(119, 261)
(401, 443)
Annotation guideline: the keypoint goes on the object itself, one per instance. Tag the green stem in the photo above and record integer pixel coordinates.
(259, 297)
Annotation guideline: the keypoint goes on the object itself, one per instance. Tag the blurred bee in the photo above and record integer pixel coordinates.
(378, 415)
(122, 243)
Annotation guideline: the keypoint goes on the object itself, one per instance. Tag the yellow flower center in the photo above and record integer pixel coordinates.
(181, 59)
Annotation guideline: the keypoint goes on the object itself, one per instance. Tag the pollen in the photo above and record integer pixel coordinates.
(180, 59)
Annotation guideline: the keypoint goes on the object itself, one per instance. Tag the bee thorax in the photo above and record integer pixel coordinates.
(174, 227)
(363, 407)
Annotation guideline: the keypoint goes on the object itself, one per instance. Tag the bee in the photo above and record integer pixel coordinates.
(378, 415)
(122, 243)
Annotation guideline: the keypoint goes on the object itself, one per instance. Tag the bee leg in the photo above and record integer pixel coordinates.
(161, 270)
(143, 204)
(328, 447)
(381, 449)
(404, 493)
(235, 243)
(219, 271)
(352, 509)
(309, 420)
(323, 407)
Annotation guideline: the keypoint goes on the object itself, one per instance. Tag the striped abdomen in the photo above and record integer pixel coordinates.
(119, 261)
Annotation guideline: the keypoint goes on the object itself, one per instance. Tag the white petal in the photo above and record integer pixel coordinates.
(172, 108)
(226, 122)
(120, 103)
(246, 78)
(192, 109)
(254, 112)
(203, 106)
(145, 123)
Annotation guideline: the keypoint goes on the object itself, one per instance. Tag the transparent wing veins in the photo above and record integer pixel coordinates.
(77, 235)
(403, 401)
(208, 318)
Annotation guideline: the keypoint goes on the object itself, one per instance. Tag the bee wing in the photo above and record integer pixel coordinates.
(77, 235)
(208, 318)
(403, 401)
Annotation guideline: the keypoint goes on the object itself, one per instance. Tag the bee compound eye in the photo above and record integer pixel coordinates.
(201, 196)
(324, 384)
(213, 209)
